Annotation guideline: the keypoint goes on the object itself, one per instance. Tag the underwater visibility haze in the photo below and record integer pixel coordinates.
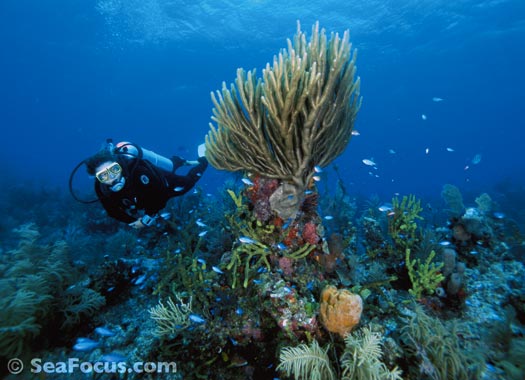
(380, 205)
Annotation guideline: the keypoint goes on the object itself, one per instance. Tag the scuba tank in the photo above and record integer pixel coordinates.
(131, 150)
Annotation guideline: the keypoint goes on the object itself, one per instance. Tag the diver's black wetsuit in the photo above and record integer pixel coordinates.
(147, 188)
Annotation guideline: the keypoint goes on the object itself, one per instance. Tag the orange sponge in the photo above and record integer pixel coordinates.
(340, 310)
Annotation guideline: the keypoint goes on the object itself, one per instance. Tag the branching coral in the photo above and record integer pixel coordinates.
(402, 225)
(300, 114)
(82, 303)
(425, 277)
(256, 247)
(31, 275)
(171, 317)
(306, 362)
(452, 197)
(438, 349)
(362, 357)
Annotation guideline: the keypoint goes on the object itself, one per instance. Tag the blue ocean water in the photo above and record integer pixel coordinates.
(74, 73)
(442, 85)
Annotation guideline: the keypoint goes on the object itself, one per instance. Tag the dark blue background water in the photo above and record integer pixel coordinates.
(73, 73)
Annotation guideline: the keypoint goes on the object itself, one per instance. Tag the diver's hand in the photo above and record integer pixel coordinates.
(137, 224)
(145, 221)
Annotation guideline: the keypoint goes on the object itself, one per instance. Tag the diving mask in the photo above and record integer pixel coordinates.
(109, 173)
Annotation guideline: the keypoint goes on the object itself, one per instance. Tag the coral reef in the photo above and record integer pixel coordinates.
(361, 359)
(171, 317)
(298, 117)
(436, 347)
(453, 199)
(402, 224)
(425, 277)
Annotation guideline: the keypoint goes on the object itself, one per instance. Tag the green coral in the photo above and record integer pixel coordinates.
(31, 274)
(247, 257)
(452, 197)
(485, 203)
(436, 347)
(402, 225)
(425, 277)
(80, 304)
(171, 317)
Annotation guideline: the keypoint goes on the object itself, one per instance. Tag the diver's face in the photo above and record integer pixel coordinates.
(108, 172)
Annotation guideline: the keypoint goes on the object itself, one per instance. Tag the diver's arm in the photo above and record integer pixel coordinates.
(196, 173)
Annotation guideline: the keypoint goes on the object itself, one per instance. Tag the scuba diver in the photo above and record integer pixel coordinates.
(134, 184)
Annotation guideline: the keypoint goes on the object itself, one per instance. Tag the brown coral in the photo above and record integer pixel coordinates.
(340, 310)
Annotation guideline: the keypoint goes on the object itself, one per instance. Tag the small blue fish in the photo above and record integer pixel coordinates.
(498, 215)
(328, 217)
(308, 192)
(165, 215)
(247, 240)
(196, 318)
(104, 331)
(200, 224)
(113, 357)
(239, 311)
(178, 188)
(385, 207)
(318, 169)
(287, 223)
(85, 344)
(316, 178)
(140, 279)
(203, 233)
(217, 270)
(282, 246)
(247, 181)
(257, 282)
(201, 261)
(444, 243)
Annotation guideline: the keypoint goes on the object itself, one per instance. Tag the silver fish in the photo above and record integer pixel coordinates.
(247, 181)
(247, 240)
